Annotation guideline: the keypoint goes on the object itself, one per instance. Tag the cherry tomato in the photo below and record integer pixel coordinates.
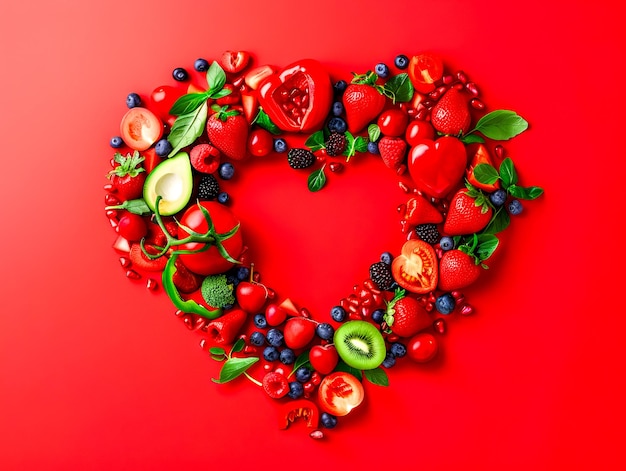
(234, 61)
(422, 347)
(140, 128)
(299, 97)
(339, 393)
(393, 122)
(209, 262)
(424, 70)
(417, 130)
(480, 156)
(260, 142)
(132, 227)
(416, 269)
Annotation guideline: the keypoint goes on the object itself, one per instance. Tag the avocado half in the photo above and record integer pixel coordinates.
(173, 181)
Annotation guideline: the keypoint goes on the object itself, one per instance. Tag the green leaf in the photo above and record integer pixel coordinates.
(316, 141)
(138, 206)
(373, 132)
(486, 174)
(501, 125)
(187, 128)
(487, 244)
(303, 359)
(471, 139)
(508, 173)
(217, 351)
(317, 180)
(216, 78)
(263, 121)
(529, 193)
(377, 376)
(233, 368)
(498, 223)
(238, 346)
(360, 144)
(187, 103)
(399, 88)
(221, 93)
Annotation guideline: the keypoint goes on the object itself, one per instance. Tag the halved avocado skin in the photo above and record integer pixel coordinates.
(179, 165)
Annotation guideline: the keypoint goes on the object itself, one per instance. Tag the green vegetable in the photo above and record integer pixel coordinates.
(317, 179)
(233, 367)
(217, 291)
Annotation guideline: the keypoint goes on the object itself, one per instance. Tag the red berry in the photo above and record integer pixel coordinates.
(275, 385)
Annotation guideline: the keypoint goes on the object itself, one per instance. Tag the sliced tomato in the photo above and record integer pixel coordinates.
(140, 128)
(424, 70)
(416, 269)
(339, 393)
(480, 155)
(234, 61)
(255, 76)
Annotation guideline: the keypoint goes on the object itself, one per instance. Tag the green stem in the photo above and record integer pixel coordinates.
(258, 383)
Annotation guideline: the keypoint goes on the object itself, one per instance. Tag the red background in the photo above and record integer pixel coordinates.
(97, 373)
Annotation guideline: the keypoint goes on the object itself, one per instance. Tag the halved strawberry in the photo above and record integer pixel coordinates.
(140, 261)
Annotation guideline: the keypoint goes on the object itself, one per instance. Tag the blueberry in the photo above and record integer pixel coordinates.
(325, 331)
(257, 338)
(337, 108)
(243, 273)
(397, 349)
(271, 353)
(163, 148)
(382, 70)
(389, 360)
(386, 257)
(498, 197)
(223, 198)
(328, 420)
(445, 303)
(280, 145)
(260, 321)
(340, 86)
(378, 315)
(201, 65)
(275, 337)
(337, 124)
(287, 357)
(116, 142)
(180, 74)
(338, 314)
(133, 100)
(303, 374)
(372, 148)
(401, 61)
(226, 171)
(515, 207)
(296, 390)
(446, 243)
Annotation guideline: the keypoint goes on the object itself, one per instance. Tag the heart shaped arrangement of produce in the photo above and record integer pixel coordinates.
(183, 143)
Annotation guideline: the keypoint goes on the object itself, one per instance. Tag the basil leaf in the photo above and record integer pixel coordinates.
(498, 223)
(303, 359)
(317, 180)
(529, 193)
(487, 244)
(263, 121)
(137, 206)
(316, 141)
(471, 139)
(377, 376)
(187, 103)
(501, 125)
(486, 174)
(187, 128)
(221, 93)
(217, 351)
(508, 173)
(238, 346)
(216, 78)
(400, 88)
(360, 144)
(373, 132)
(234, 367)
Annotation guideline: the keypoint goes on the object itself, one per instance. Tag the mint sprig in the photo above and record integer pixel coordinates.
(488, 174)
(499, 125)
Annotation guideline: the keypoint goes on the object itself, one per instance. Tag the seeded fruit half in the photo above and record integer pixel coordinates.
(360, 344)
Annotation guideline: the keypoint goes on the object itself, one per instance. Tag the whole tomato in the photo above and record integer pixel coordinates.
(299, 97)
(210, 261)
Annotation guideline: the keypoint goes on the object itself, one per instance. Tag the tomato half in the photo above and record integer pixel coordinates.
(140, 128)
(210, 261)
(339, 393)
(416, 269)
(424, 70)
(299, 97)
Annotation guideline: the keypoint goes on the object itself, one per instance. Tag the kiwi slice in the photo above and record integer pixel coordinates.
(360, 344)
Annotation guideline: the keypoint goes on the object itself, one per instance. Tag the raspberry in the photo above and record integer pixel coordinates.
(300, 158)
(275, 385)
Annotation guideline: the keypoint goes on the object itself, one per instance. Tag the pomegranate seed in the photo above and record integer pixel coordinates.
(271, 294)
(239, 82)
(432, 298)
(111, 213)
(401, 170)
(250, 349)
(111, 200)
(466, 310)
(429, 307)
(336, 167)
(317, 434)
(462, 77)
(440, 326)
(188, 321)
(435, 94)
(499, 150)
(203, 343)
(280, 370)
(422, 300)
(472, 88)
(256, 277)
(411, 112)
(308, 386)
(428, 104)
(411, 235)
(393, 338)
(109, 187)
(477, 104)
(316, 378)
(132, 275)
(152, 284)
(421, 114)
(438, 251)
(403, 187)
(114, 223)
(355, 316)
(125, 262)
(179, 313)
(456, 294)
(304, 312)
(448, 79)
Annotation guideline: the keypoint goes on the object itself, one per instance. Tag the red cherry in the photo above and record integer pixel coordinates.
(298, 332)
(323, 358)
(250, 296)
(422, 347)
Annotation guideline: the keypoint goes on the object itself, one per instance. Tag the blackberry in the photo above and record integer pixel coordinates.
(300, 158)
(208, 187)
(336, 144)
(380, 273)
(428, 233)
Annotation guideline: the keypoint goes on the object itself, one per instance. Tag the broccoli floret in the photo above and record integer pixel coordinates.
(217, 292)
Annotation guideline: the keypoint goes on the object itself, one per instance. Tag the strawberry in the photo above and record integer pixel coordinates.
(224, 330)
(392, 151)
(362, 102)
(420, 211)
(404, 316)
(451, 114)
(469, 212)
(128, 176)
(228, 131)
(457, 270)
(139, 259)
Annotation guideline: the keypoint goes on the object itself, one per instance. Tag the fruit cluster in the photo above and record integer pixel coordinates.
(166, 203)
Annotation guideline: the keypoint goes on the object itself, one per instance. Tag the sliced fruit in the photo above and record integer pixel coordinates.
(173, 181)
(360, 345)
(415, 269)
(339, 393)
(140, 128)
